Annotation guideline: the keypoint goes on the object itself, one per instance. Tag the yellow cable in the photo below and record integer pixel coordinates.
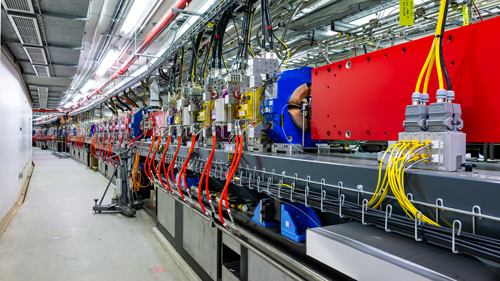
(250, 33)
(378, 188)
(428, 75)
(225, 64)
(287, 51)
(434, 50)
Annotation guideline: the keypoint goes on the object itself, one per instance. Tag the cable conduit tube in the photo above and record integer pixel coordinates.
(171, 166)
(146, 163)
(206, 172)
(153, 158)
(162, 163)
(148, 40)
(184, 167)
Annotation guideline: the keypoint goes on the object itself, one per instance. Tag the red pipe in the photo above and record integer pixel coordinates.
(46, 110)
(152, 35)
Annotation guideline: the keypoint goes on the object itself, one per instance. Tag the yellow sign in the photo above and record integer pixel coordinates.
(406, 12)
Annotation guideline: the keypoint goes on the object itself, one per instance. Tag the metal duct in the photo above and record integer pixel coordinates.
(43, 96)
(36, 55)
(18, 5)
(41, 70)
(26, 29)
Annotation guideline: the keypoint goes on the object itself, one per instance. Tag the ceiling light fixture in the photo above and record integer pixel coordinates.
(134, 15)
(107, 62)
(87, 86)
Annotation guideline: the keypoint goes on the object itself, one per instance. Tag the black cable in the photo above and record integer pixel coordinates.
(111, 109)
(441, 57)
(132, 92)
(263, 23)
(269, 26)
(123, 104)
(116, 106)
(129, 99)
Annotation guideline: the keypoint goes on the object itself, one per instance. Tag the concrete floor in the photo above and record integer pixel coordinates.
(56, 235)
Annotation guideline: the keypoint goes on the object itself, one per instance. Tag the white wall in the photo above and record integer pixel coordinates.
(15, 135)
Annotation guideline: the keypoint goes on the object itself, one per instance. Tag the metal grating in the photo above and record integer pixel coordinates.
(36, 55)
(41, 70)
(18, 5)
(26, 29)
(43, 96)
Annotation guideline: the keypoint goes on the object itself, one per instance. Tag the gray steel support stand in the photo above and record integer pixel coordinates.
(125, 204)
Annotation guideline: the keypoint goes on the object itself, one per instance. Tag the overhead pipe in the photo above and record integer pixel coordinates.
(46, 110)
(165, 21)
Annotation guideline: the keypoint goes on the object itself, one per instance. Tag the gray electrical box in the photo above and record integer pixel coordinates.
(447, 152)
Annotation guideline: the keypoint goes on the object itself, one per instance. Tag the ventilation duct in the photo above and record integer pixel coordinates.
(26, 29)
(43, 96)
(18, 5)
(36, 55)
(41, 70)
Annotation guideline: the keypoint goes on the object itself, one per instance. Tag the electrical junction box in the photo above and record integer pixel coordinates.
(220, 110)
(238, 83)
(187, 116)
(249, 107)
(447, 152)
(263, 66)
(203, 115)
(214, 84)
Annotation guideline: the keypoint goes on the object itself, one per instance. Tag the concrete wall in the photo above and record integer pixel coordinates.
(15, 136)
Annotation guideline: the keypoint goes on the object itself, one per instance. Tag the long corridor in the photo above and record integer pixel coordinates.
(56, 236)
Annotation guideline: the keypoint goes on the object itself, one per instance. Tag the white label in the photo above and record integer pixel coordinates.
(270, 102)
(287, 223)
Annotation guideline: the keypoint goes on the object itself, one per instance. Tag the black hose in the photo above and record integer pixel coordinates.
(111, 109)
(129, 99)
(115, 105)
(263, 23)
(123, 104)
(138, 98)
(441, 57)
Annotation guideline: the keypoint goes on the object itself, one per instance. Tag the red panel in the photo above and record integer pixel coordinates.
(369, 98)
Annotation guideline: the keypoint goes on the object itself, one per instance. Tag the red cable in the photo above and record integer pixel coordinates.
(146, 163)
(184, 167)
(228, 180)
(163, 165)
(153, 158)
(170, 168)
(477, 10)
(207, 174)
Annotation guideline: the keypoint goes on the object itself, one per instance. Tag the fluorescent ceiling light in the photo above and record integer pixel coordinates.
(87, 86)
(134, 15)
(77, 97)
(205, 6)
(107, 62)
(68, 104)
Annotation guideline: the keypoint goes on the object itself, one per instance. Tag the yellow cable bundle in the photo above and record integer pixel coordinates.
(400, 154)
(433, 54)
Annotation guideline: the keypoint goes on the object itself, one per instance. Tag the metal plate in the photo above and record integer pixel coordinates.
(367, 101)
